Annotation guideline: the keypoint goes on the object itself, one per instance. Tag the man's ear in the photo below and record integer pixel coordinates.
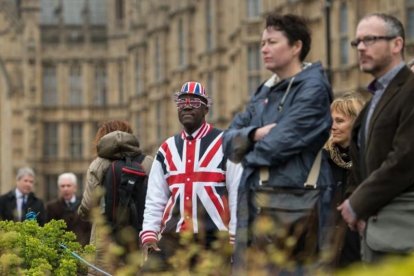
(397, 45)
(206, 110)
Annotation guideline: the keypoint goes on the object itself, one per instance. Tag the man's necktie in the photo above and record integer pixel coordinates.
(71, 205)
(24, 207)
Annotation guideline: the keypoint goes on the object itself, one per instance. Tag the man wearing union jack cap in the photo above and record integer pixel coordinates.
(192, 187)
(195, 89)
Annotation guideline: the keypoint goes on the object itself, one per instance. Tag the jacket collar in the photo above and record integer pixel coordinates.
(390, 92)
(199, 133)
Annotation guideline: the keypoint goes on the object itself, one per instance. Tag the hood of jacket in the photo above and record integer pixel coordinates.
(118, 144)
(310, 71)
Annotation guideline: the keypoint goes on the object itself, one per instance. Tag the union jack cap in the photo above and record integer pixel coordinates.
(193, 88)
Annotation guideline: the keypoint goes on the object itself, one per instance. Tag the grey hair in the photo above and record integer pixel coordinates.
(68, 175)
(394, 26)
(23, 172)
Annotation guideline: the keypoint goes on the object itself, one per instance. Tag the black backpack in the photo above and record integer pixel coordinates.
(125, 186)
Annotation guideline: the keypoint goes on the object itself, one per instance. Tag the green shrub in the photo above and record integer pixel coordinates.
(29, 249)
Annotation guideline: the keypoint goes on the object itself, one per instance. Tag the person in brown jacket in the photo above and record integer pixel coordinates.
(66, 205)
(114, 140)
(382, 148)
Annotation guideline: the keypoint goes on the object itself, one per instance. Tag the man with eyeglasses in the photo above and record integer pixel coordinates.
(382, 151)
(192, 187)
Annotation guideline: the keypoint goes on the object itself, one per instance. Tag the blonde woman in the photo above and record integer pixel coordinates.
(344, 110)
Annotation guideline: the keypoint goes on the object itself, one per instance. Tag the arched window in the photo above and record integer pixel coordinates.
(254, 8)
(75, 140)
(182, 42)
(159, 59)
(209, 25)
(49, 95)
(75, 85)
(410, 19)
(253, 67)
(100, 96)
(343, 33)
(119, 10)
(50, 139)
(139, 78)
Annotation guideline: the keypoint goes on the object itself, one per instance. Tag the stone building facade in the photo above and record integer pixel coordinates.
(67, 65)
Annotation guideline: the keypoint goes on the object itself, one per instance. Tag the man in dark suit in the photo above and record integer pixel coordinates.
(382, 148)
(15, 204)
(65, 207)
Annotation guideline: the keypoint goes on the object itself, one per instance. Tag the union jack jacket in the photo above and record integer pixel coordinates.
(191, 186)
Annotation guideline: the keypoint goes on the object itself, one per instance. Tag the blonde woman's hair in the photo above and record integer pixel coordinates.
(349, 105)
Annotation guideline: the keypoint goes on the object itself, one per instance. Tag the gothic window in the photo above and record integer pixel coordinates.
(253, 67)
(139, 126)
(49, 95)
(75, 140)
(158, 58)
(50, 140)
(254, 8)
(343, 33)
(72, 12)
(119, 10)
(100, 96)
(159, 121)
(97, 12)
(182, 42)
(50, 181)
(49, 13)
(121, 89)
(209, 25)
(75, 85)
(139, 80)
(410, 19)
(210, 90)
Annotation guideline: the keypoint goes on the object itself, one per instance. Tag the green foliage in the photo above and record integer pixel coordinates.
(29, 249)
(216, 261)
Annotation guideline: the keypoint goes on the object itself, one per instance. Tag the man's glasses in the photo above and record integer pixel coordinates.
(370, 39)
(193, 103)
